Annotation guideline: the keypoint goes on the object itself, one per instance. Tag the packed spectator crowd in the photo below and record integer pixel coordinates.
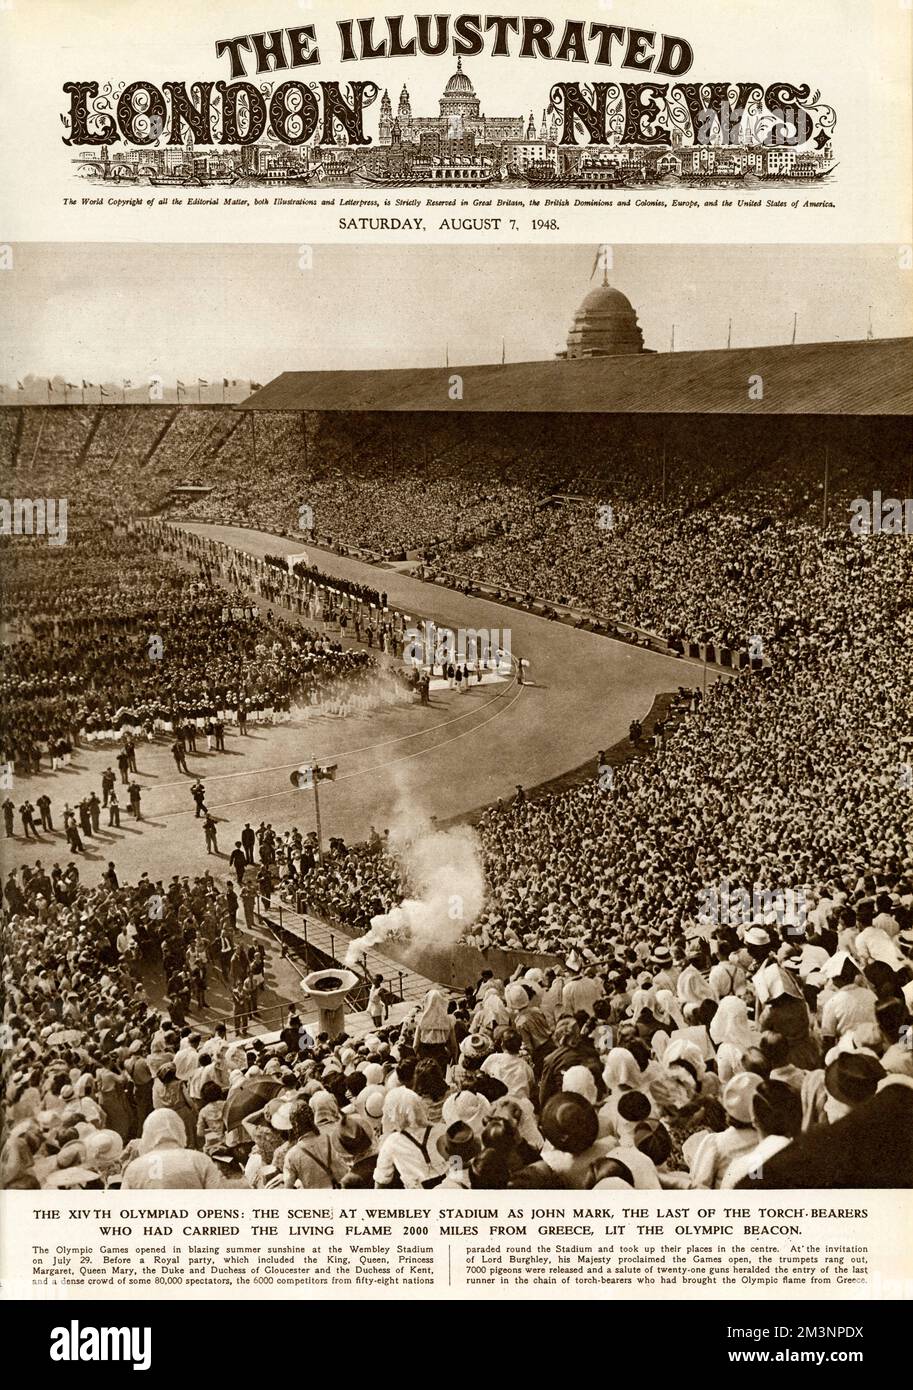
(750, 1056)
(730, 918)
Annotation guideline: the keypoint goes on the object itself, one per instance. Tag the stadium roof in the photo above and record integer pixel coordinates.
(849, 378)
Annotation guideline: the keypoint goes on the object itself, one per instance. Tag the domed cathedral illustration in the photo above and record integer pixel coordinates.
(460, 117)
(605, 325)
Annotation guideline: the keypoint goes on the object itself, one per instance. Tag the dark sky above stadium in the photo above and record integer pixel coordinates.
(104, 312)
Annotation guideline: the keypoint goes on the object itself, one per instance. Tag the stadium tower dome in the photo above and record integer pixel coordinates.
(605, 325)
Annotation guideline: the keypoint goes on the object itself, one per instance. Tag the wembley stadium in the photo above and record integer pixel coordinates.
(485, 776)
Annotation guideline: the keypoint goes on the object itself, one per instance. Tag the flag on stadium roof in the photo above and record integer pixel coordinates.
(603, 261)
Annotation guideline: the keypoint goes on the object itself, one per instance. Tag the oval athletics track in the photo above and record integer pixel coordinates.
(583, 692)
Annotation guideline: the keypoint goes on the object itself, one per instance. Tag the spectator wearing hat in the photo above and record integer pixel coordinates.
(104, 1149)
(715, 1152)
(570, 1049)
(640, 1167)
(368, 1107)
(850, 1077)
(870, 1147)
(458, 1146)
(325, 1111)
(732, 1036)
(692, 987)
(489, 1171)
(70, 1170)
(581, 992)
(312, 1160)
(17, 1162)
(137, 1069)
(168, 1093)
(434, 1030)
(408, 1155)
(165, 1161)
(357, 1143)
(786, 1013)
(666, 973)
(469, 1074)
(570, 1129)
(530, 1021)
(112, 1097)
(491, 1011)
(271, 1130)
(852, 1003)
(509, 1067)
(210, 1121)
(467, 1106)
(626, 1084)
(777, 1114)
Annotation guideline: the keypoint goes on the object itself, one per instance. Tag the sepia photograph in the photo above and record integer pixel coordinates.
(456, 717)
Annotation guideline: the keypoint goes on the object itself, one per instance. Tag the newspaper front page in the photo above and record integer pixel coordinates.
(456, 655)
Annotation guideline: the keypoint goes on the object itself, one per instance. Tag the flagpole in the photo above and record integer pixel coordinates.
(317, 816)
(729, 336)
(253, 439)
(795, 321)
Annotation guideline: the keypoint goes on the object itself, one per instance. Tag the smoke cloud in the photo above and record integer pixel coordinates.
(356, 694)
(444, 870)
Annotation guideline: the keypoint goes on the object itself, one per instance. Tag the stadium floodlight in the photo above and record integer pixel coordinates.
(307, 777)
